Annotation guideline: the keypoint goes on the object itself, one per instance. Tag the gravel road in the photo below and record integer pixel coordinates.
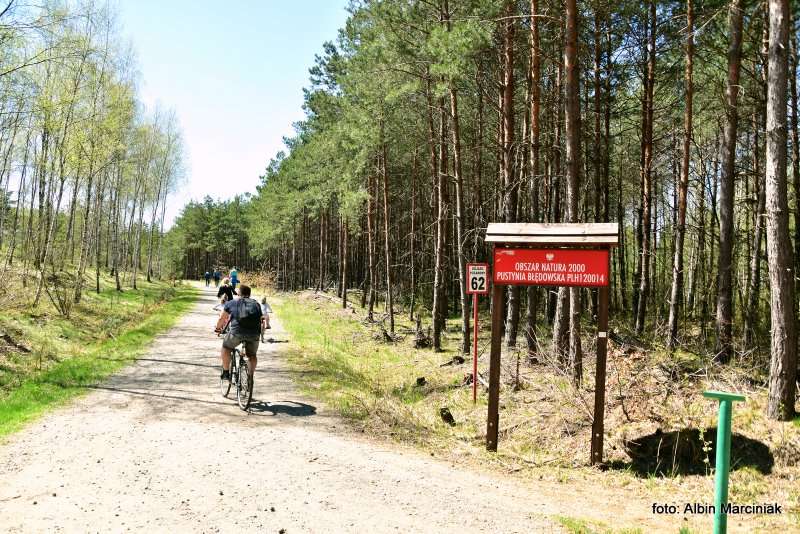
(157, 449)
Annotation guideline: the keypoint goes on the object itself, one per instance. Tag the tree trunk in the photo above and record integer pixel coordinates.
(412, 238)
(151, 236)
(533, 170)
(793, 72)
(115, 240)
(371, 245)
(783, 361)
(754, 287)
(439, 310)
(20, 206)
(676, 295)
(572, 132)
(385, 173)
(460, 222)
(558, 306)
(510, 184)
(138, 241)
(82, 259)
(98, 227)
(726, 192)
(343, 282)
(647, 175)
(338, 262)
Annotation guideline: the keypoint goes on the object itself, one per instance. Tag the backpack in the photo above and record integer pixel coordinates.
(248, 314)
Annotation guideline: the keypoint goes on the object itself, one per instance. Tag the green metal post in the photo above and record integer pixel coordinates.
(723, 460)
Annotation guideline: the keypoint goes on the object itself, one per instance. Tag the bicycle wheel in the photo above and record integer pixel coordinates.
(225, 385)
(244, 389)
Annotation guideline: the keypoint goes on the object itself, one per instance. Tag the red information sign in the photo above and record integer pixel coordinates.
(551, 267)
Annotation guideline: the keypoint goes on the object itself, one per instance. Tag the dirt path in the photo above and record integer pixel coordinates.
(156, 448)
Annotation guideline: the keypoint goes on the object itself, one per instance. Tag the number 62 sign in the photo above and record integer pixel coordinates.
(477, 284)
(477, 278)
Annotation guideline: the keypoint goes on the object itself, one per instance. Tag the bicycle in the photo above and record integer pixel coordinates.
(241, 377)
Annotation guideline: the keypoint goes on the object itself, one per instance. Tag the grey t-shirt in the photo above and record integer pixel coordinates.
(245, 317)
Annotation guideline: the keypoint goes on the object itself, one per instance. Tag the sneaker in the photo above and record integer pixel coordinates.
(226, 375)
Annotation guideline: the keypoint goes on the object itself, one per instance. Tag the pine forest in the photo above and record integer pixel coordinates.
(427, 120)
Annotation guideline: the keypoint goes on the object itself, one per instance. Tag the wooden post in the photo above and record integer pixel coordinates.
(600, 376)
(493, 418)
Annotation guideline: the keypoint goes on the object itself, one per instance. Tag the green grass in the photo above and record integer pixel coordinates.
(583, 526)
(575, 526)
(368, 382)
(325, 358)
(109, 331)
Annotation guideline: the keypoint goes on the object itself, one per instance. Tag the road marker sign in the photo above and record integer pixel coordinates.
(477, 279)
(477, 284)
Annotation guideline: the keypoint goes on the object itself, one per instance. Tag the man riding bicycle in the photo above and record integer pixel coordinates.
(246, 322)
(226, 292)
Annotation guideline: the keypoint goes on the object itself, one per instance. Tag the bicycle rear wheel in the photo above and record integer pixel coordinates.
(225, 384)
(244, 389)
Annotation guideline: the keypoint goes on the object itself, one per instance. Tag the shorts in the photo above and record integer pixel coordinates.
(231, 341)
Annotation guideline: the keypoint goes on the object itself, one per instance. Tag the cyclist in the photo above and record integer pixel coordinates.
(246, 321)
(226, 292)
(234, 277)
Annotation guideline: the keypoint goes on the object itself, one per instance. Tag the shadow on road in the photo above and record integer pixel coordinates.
(156, 395)
(292, 408)
(263, 408)
(215, 366)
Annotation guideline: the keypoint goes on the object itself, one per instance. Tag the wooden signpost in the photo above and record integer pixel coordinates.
(565, 254)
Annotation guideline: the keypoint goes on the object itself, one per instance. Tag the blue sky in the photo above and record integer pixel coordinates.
(233, 72)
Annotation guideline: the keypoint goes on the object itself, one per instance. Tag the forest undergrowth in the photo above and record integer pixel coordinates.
(660, 430)
(47, 358)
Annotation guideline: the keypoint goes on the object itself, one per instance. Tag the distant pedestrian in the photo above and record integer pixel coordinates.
(207, 276)
(234, 277)
(217, 277)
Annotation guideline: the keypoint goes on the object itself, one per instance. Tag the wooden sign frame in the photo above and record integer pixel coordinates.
(573, 236)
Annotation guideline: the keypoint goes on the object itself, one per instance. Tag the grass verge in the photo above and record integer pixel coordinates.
(65, 355)
(654, 414)
(372, 384)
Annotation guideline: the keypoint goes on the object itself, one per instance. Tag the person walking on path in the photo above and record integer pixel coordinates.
(266, 309)
(217, 276)
(207, 277)
(234, 277)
